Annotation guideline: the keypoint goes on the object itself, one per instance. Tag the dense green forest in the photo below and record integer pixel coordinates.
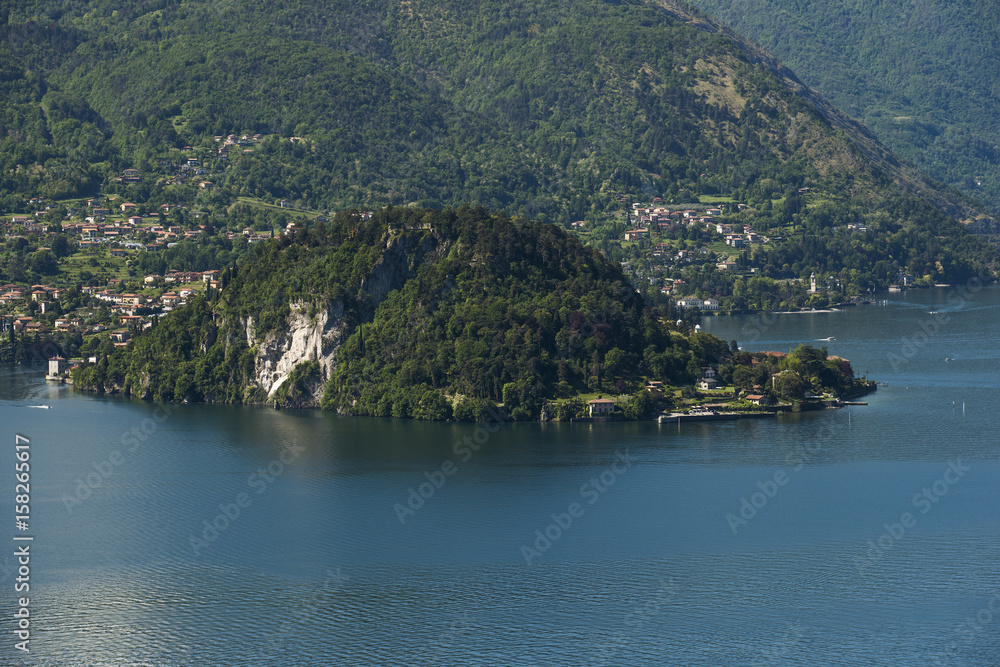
(923, 76)
(548, 110)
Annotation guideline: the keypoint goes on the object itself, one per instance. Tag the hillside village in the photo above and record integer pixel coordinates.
(710, 258)
(657, 219)
(108, 266)
(91, 311)
(80, 259)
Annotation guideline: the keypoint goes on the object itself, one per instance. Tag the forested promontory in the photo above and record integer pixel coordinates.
(426, 314)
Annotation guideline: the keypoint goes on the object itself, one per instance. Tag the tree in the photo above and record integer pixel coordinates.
(639, 405)
(44, 262)
(432, 406)
(810, 363)
(789, 385)
(570, 409)
(744, 377)
(16, 269)
(60, 246)
(473, 410)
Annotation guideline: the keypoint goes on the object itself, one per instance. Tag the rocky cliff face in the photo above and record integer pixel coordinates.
(315, 333)
(402, 257)
(306, 338)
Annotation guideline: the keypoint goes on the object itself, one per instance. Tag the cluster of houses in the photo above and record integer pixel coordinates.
(11, 294)
(661, 219)
(44, 295)
(96, 229)
(40, 294)
(710, 382)
(28, 324)
(190, 168)
(603, 408)
(174, 276)
(125, 306)
(28, 223)
(120, 223)
(657, 219)
(244, 142)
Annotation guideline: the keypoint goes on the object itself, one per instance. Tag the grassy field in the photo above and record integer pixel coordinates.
(105, 265)
(76, 202)
(721, 248)
(179, 123)
(309, 215)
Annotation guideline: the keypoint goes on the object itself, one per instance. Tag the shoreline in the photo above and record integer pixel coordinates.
(500, 414)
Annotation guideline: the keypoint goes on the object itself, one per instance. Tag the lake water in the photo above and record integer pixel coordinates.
(207, 535)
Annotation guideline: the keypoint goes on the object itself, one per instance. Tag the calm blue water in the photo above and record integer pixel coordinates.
(846, 561)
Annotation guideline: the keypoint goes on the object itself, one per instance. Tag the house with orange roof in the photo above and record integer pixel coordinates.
(601, 407)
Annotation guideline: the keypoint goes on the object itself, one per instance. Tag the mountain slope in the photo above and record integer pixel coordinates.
(921, 76)
(544, 109)
(50, 146)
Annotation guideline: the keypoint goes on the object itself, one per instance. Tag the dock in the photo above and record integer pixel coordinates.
(705, 416)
